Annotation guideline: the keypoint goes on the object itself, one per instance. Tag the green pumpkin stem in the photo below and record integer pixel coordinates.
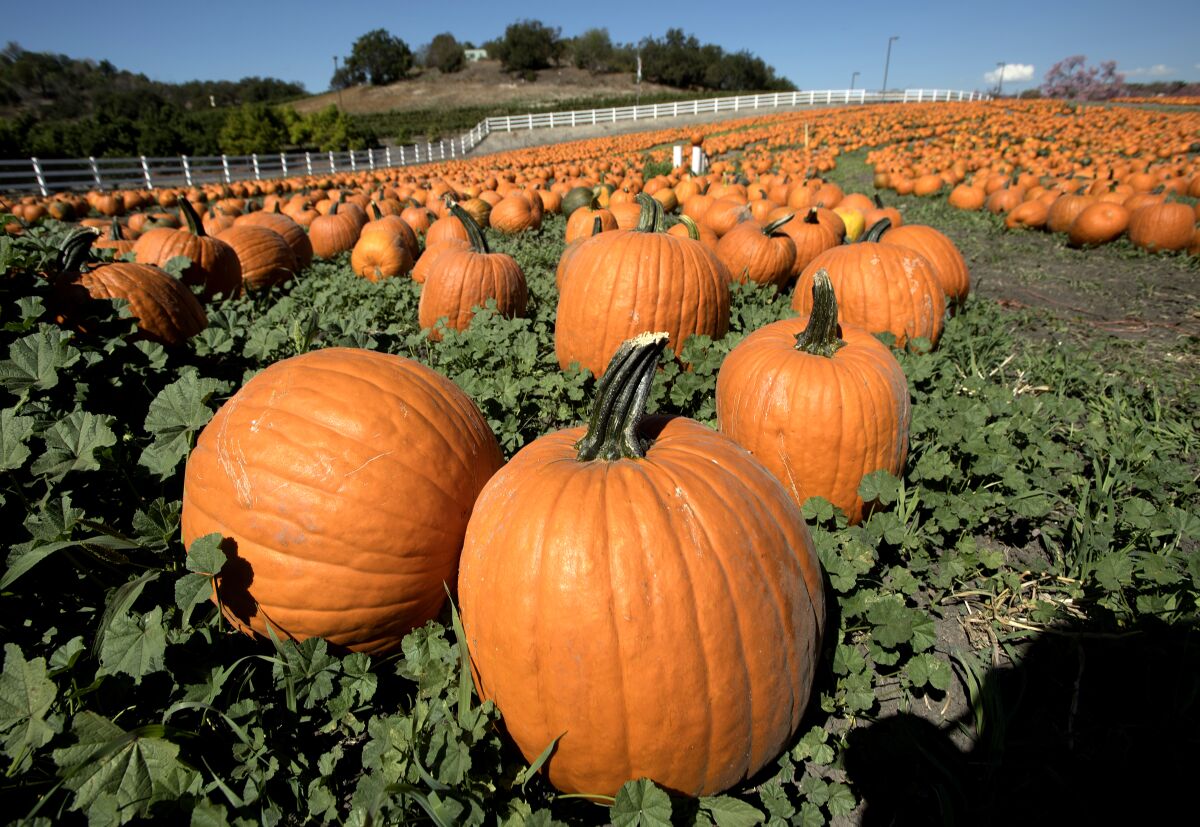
(652, 217)
(194, 224)
(877, 230)
(822, 336)
(811, 218)
(597, 226)
(774, 226)
(375, 213)
(878, 202)
(621, 401)
(692, 227)
(474, 233)
(75, 251)
(114, 232)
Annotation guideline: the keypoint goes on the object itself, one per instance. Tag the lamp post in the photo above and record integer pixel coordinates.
(887, 61)
(335, 80)
(1000, 79)
(852, 77)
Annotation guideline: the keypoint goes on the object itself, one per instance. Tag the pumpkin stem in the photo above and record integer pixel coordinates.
(811, 218)
(375, 213)
(878, 202)
(478, 242)
(75, 251)
(195, 225)
(114, 231)
(652, 217)
(774, 226)
(692, 227)
(621, 401)
(877, 230)
(822, 336)
(597, 226)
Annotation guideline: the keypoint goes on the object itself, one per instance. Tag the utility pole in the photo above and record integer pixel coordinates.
(852, 77)
(1000, 79)
(335, 80)
(888, 60)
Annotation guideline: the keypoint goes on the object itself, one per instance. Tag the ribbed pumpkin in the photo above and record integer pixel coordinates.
(687, 228)
(881, 287)
(580, 224)
(967, 197)
(881, 211)
(1167, 226)
(462, 280)
(611, 573)
(120, 239)
(341, 482)
(811, 238)
(380, 252)
(569, 251)
(396, 226)
(164, 308)
(948, 263)
(1064, 210)
(626, 282)
(1099, 223)
(292, 232)
(214, 266)
(334, 232)
(821, 405)
(517, 212)
(1028, 215)
(265, 257)
(759, 253)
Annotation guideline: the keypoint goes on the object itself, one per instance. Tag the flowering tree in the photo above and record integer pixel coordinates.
(1070, 78)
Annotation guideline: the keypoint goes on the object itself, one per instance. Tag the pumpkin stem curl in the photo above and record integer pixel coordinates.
(822, 335)
(474, 233)
(652, 218)
(876, 230)
(774, 226)
(194, 224)
(75, 251)
(693, 228)
(621, 401)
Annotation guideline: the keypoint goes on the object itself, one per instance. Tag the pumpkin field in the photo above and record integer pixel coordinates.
(851, 480)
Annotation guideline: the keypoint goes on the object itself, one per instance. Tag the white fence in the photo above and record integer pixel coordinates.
(51, 175)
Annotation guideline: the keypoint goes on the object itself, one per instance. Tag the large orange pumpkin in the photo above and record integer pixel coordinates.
(611, 573)
(635, 281)
(821, 405)
(214, 264)
(948, 263)
(341, 481)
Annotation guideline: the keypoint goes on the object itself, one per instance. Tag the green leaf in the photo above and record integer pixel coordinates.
(529, 772)
(115, 769)
(178, 412)
(841, 801)
(640, 803)
(207, 814)
(205, 556)
(730, 812)
(879, 486)
(34, 361)
(134, 646)
(928, 670)
(14, 433)
(71, 444)
(26, 696)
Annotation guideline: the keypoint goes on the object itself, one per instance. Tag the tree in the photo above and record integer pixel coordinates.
(445, 54)
(377, 58)
(253, 127)
(1071, 78)
(529, 45)
(593, 50)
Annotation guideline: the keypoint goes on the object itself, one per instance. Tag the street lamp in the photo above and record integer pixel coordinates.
(1000, 79)
(852, 77)
(335, 80)
(888, 60)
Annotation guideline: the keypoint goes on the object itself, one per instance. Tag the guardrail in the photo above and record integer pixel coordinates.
(47, 175)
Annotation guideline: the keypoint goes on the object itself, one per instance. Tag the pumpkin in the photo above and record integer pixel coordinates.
(163, 307)
(687, 228)
(1064, 210)
(580, 224)
(967, 197)
(460, 281)
(334, 232)
(1099, 223)
(885, 288)
(821, 405)
(292, 232)
(757, 253)
(1028, 215)
(570, 250)
(120, 239)
(517, 212)
(1167, 226)
(214, 266)
(380, 252)
(948, 263)
(341, 482)
(625, 282)
(811, 238)
(266, 258)
(873, 217)
(576, 198)
(653, 548)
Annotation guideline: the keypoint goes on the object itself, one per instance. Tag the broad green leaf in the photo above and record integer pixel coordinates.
(26, 696)
(134, 646)
(929, 670)
(641, 804)
(727, 811)
(205, 555)
(14, 433)
(35, 360)
(207, 814)
(22, 559)
(841, 801)
(71, 444)
(178, 412)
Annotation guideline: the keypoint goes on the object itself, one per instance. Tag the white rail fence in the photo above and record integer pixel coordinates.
(46, 175)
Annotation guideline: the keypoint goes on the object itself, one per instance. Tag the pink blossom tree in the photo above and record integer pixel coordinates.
(1071, 78)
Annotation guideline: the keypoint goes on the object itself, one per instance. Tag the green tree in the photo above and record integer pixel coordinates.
(253, 127)
(327, 130)
(378, 58)
(445, 54)
(593, 50)
(529, 45)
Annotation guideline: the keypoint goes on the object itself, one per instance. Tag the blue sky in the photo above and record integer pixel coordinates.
(816, 45)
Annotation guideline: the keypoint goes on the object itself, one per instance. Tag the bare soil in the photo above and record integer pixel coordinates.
(482, 83)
